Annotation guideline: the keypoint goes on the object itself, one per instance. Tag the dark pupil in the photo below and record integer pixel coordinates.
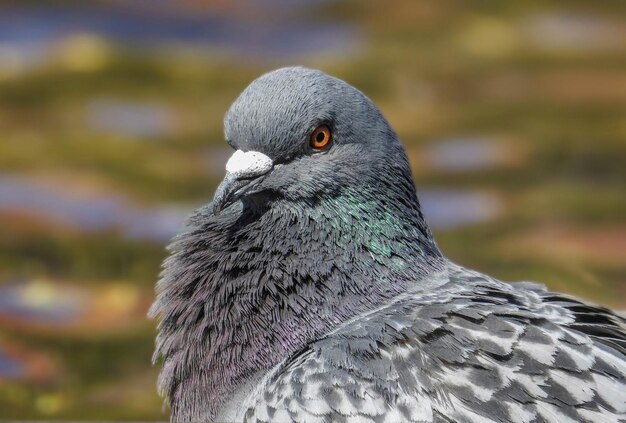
(320, 137)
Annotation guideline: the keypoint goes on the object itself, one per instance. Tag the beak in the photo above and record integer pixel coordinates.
(244, 171)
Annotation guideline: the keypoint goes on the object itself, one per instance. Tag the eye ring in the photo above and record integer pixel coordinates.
(320, 137)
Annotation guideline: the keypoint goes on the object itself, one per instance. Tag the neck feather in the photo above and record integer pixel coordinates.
(243, 291)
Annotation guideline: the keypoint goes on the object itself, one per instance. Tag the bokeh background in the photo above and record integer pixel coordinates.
(513, 115)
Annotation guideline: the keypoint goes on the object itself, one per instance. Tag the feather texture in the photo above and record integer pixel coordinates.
(477, 350)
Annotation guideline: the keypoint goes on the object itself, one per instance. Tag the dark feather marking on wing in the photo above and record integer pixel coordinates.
(516, 392)
(564, 361)
(440, 418)
(600, 323)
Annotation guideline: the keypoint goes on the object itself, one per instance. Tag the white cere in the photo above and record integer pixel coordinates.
(248, 164)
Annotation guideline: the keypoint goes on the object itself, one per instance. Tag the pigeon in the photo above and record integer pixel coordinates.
(311, 289)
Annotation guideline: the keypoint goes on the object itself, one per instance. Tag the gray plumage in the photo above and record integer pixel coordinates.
(311, 290)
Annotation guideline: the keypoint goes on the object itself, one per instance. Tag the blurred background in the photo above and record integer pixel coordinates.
(513, 115)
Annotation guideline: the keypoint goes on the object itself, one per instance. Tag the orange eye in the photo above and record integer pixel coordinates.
(320, 138)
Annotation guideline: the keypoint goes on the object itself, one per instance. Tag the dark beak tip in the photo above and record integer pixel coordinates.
(231, 189)
(222, 195)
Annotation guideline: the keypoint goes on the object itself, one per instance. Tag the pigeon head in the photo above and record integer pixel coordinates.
(300, 134)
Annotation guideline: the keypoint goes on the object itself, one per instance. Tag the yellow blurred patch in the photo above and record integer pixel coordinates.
(83, 53)
(115, 299)
(49, 403)
(488, 37)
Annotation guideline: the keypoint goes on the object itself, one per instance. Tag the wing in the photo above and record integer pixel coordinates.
(490, 352)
